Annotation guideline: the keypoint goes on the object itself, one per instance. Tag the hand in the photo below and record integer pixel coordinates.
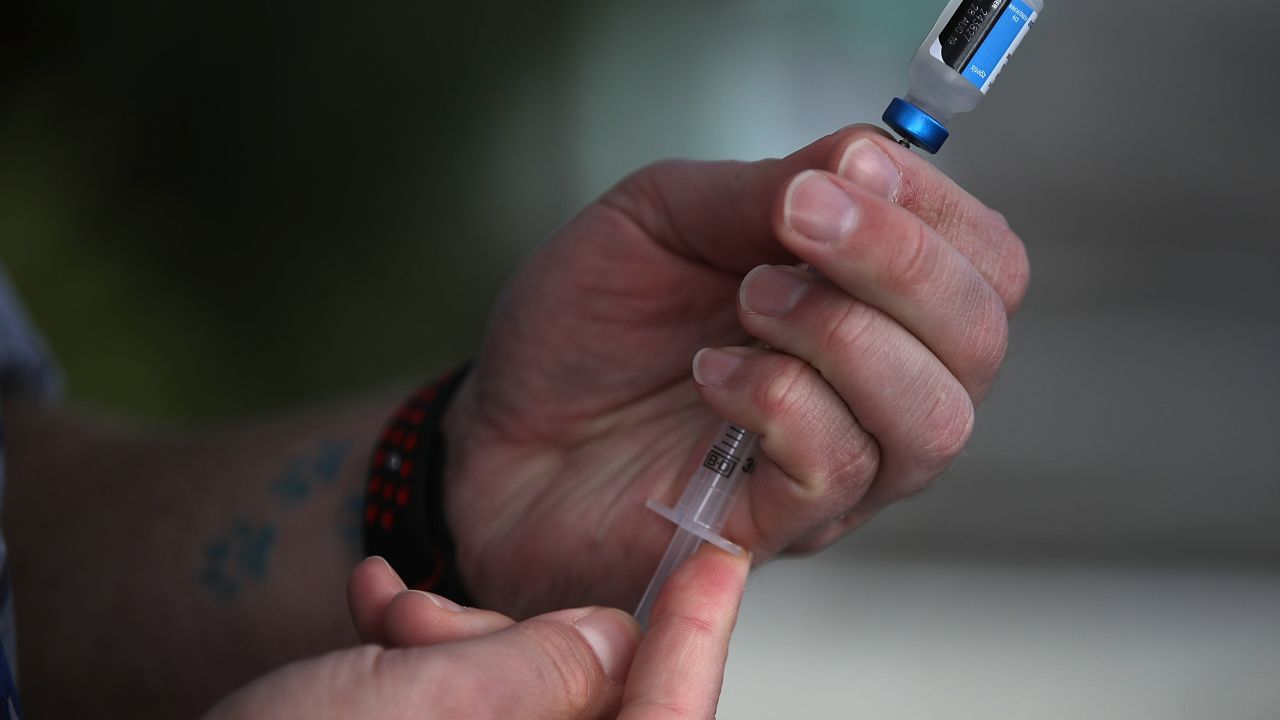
(452, 662)
(580, 405)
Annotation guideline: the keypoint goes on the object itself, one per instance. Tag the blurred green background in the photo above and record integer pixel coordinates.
(218, 209)
(214, 209)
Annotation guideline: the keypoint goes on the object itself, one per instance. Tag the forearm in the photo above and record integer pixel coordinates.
(156, 571)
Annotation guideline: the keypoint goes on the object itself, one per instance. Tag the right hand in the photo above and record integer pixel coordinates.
(444, 661)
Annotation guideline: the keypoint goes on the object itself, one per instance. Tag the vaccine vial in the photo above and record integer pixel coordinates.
(957, 64)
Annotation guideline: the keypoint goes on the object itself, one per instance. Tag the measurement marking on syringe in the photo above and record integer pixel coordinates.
(729, 447)
(732, 440)
(703, 508)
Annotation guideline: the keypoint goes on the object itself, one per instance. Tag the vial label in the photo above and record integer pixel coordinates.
(982, 36)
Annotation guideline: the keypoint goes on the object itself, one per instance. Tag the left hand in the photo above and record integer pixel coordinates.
(434, 660)
(581, 405)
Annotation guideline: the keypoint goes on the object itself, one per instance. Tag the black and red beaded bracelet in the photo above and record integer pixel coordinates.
(404, 515)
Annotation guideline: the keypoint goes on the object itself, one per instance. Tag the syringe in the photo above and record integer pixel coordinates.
(703, 508)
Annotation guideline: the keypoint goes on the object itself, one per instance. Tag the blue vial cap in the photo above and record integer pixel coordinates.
(915, 125)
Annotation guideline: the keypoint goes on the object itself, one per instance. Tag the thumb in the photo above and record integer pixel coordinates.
(722, 213)
(567, 664)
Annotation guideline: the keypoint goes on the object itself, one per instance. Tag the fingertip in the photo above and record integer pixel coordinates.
(708, 586)
(373, 579)
(882, 138)
(371, 587)
(384, 568)
(613, 637)
(721, 571)
(716, 367)
(563, 664)
(850, 134)
(868, 166)
(713, 368)
(680, 664)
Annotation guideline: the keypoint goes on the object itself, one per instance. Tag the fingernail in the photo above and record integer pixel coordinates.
(872, 170)
(771, 291)
(713, 368)
(444, 603)
(819, 210)
(611, 641)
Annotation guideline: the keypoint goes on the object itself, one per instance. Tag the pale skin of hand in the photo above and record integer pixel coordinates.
(430, 658)
(580, 406)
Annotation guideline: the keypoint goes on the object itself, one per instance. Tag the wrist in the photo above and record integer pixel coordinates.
(404, 513)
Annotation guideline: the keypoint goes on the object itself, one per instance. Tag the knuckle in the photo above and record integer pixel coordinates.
(846, 339)
(1013, 276)
(987, 344)
(783, 394)
(637, 189)
(811, 546)
(947, 429)
(998, 223)
(639, 197)
(913, 262)
(856, 464)
(646, 178)
(954, 210)
(825, 538)
(743, 175)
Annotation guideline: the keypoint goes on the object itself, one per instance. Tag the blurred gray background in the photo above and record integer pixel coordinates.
(226, 210)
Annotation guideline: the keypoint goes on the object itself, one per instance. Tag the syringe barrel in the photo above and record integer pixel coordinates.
(712, 490)
(704, 507)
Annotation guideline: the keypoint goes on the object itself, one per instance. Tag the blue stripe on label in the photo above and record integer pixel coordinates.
(988, 58)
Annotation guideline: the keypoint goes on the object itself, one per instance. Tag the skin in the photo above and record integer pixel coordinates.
(110, 526)
(439, 660)
(580, 407)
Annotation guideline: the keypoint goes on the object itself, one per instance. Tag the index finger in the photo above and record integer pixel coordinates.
(679, 667)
